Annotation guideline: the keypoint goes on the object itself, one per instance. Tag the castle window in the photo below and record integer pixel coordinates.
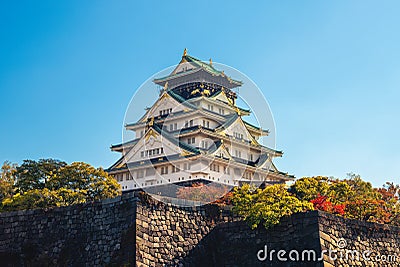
(152, 152)
(171, 127)
(238, 153)
(214, 167)
(226, 170)
(238, 135)
(165, 111)
(206, 124)
(175, 168)
(191, 123)
(175, 126)
(221, 111)
(247, 175)
(164, 170)
(204, 144)
(186, 166)
(191, 140)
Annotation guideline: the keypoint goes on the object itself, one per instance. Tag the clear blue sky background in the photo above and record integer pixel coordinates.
(329, 69)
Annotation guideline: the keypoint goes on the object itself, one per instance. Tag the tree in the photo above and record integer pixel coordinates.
(308, 188)
(266, 206)
(49, 183)
(7, 175)
(92, 183)
(202, 192)
(322, 203)
(390, 196)
(364, 202)
(352, 197)
(35, 174)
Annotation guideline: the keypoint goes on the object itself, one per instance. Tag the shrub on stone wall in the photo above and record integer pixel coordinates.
(266, 206)
(352, 198)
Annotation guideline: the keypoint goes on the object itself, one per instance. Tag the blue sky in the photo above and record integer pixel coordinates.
(329, 69)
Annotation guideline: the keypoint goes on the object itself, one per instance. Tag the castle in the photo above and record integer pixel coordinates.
(195, 132)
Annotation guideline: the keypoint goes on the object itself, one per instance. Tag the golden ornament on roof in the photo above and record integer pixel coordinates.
(238, 111)
(195, 91)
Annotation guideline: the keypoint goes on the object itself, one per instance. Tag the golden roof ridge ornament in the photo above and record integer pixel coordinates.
(238, 111)
(185, 52)
(211, 62)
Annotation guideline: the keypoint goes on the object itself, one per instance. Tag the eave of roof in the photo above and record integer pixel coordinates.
(122, 145)
(265, 132)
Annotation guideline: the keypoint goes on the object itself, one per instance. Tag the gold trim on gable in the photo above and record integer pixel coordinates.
(150, 133)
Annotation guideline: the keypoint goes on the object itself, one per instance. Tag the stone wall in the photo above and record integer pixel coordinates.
(128, 231)
(167, 236)
(358, 243)
(86, 234)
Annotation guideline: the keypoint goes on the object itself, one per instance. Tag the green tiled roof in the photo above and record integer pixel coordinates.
(200, 64)
(180, 99)
(255, 127)
(175, 141)
(132, 142)
(230, 119)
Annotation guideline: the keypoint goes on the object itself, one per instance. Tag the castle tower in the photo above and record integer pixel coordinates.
(195, 132)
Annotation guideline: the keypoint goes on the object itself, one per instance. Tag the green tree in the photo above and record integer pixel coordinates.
(308, 188)
(35, 174)
(266, 206)
(92, 183)
(7, 179)
(50, 183)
